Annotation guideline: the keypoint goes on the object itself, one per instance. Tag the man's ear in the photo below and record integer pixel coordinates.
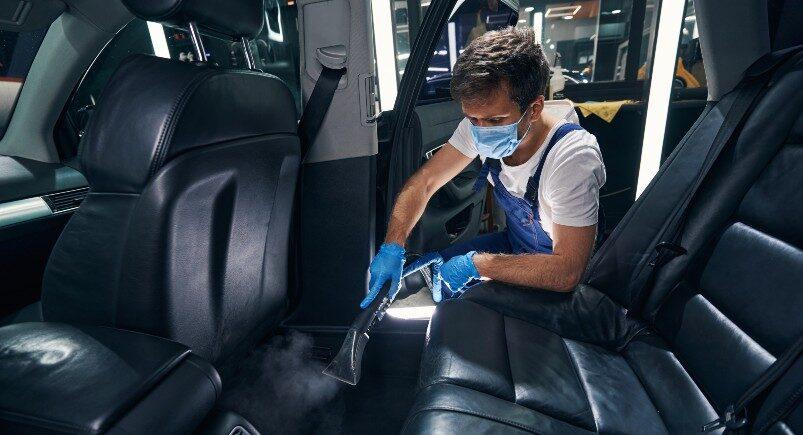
(537, 107)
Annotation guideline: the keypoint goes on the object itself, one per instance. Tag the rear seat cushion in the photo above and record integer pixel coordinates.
(527, 374)
(718, 317)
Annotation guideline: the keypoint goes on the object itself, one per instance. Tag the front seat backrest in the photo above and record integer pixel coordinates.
(192, 170)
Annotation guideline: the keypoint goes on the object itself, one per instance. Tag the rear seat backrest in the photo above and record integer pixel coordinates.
(739, 305)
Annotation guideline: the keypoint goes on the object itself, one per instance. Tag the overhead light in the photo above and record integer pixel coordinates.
(522, 21)
(158, 40)
(567, 17)
(551, 46)
(616, 11)
(538, 25)
(423, 5)
(385, 56)
(451, 31)
(562, 11)
(529, 9)
(690, 18)
(661, 79)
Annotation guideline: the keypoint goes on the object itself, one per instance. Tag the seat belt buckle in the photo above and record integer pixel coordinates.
(730, 421)
(666, 251)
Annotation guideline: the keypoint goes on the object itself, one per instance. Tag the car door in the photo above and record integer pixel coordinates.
(456, 212)
(36, 197)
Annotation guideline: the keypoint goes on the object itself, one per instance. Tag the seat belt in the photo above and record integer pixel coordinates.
(735, 419)
(318, 104)
(333, 67)
(756, 79)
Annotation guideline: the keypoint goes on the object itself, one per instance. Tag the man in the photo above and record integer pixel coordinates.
(546, 175)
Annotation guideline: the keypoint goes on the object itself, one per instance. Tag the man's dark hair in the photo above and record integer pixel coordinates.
(509, 56)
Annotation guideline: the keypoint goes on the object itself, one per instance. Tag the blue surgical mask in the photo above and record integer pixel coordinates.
(498, 141)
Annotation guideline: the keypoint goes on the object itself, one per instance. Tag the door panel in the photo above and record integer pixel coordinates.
(335, 211)
(454, 214)
(36, 201)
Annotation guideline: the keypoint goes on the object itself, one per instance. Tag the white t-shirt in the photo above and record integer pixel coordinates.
(568, 192)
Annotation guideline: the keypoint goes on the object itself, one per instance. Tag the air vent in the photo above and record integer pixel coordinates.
(65, 201)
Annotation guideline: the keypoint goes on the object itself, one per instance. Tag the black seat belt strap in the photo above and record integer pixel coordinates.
(669, 248)
(735, 416)
(318, 104)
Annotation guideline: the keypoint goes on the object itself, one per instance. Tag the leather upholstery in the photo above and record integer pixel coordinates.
(185, 231)
(166, 108)
(560, 380)
(503, 359)
(233, 18)
(61, 378)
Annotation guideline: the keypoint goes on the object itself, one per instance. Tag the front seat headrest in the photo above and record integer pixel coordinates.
(235, 18)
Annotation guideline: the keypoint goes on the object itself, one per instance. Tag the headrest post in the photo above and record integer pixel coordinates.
(249, 55)
(197, 43)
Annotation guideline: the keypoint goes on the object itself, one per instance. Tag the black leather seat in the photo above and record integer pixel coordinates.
(192, 171)
(505, 359)
(57, 379)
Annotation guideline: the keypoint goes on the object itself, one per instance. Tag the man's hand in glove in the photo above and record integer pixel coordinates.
(386, 266)
(457, 273)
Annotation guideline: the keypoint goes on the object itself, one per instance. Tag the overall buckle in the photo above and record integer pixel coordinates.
(666, 251)
(730, 421)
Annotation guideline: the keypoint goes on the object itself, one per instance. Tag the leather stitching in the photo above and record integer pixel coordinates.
(170, 123)
(576, 370)
(507, 357)
(477, 414)
(646, 391)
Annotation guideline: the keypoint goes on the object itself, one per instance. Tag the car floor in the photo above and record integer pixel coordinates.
(279, 388)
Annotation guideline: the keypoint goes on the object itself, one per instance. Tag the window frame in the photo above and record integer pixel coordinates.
(631, 87)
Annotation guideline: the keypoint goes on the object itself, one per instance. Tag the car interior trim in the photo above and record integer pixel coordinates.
(23, 210)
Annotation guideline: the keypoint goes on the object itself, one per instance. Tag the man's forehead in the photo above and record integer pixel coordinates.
(489, 106)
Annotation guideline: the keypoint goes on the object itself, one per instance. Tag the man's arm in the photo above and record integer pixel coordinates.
(559, 271)
(418, 190)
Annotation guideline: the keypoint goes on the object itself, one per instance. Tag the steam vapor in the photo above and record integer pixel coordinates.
(280, 389)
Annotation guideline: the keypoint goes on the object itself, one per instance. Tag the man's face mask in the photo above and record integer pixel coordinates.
(498, 141)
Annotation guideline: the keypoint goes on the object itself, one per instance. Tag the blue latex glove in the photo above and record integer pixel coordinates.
(386, 266)
(457, 272)
(434, 260)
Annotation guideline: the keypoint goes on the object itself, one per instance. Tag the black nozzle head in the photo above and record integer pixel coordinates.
(347, 364)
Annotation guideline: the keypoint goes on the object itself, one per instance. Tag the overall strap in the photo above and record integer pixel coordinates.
(484, 171)
(532, 183)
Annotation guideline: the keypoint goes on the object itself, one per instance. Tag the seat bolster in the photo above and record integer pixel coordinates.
(446, 408)
(680, 402)
(466, 346)
(584, 314)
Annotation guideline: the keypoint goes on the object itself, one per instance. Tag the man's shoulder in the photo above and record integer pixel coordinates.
(576, 144)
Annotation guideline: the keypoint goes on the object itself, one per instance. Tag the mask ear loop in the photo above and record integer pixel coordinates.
(529, 125)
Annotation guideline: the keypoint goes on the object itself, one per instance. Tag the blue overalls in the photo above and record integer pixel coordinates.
(524, 233)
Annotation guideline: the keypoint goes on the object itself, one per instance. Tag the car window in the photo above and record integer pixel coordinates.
(591, 39)
(588, 39)
(17, 51)
(690, 69)
(275, 51)
(470, 20)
